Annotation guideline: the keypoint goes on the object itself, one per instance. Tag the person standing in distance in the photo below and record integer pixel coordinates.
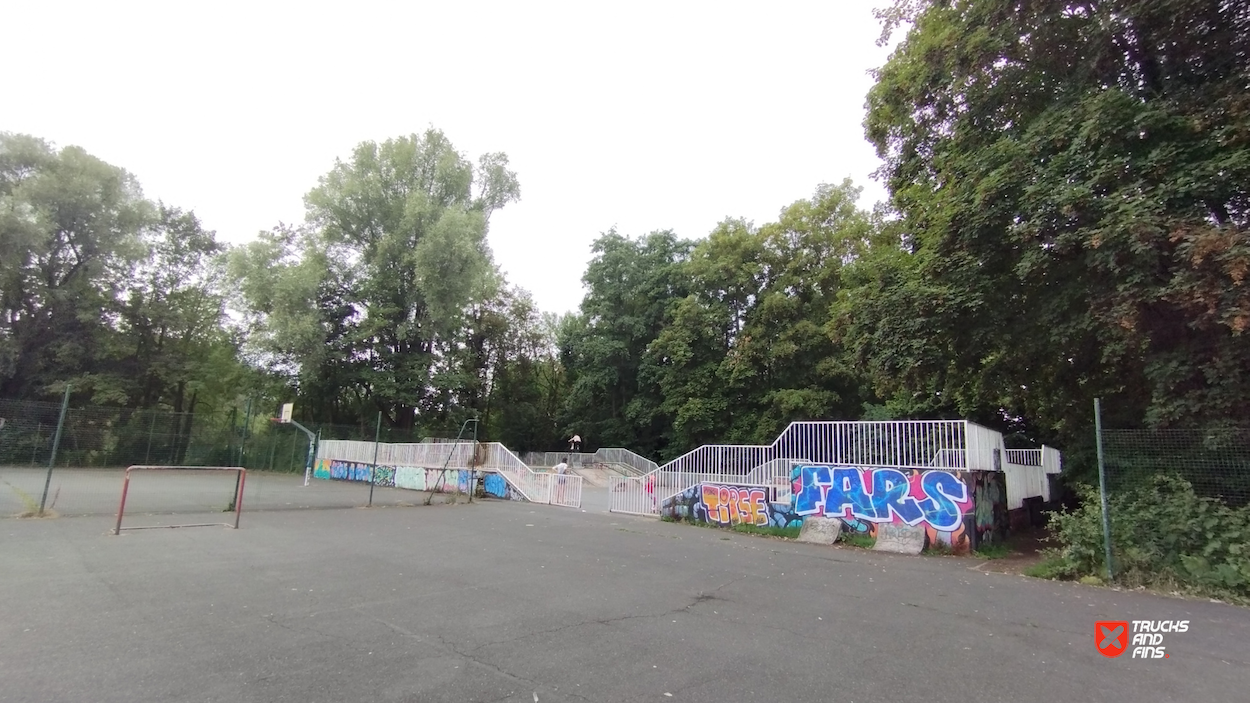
(561, 469)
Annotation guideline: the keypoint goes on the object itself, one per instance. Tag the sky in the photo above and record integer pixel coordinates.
(639, 116)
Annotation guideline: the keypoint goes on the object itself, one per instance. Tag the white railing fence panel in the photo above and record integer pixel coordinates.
(628, 494)
(566, 490)
(1024, 457)
(624, 457)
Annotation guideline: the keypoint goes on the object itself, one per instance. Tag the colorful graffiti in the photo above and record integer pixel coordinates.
(384, 476)
(990, 518)
(728, 505)
(937, 498)
(958, 511)
(410, 477)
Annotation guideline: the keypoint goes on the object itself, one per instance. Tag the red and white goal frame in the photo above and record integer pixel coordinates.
(238, 497)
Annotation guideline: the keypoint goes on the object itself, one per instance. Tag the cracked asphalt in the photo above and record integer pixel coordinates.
(515, 602)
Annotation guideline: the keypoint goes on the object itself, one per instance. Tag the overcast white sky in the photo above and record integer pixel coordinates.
(640, 115)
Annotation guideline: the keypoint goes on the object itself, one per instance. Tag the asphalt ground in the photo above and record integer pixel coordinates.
(504, 601)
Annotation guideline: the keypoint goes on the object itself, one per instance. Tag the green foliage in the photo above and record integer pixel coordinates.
(1161, 533)
(103, 289)
(387, 298)
(860, 541)
(682, 344)
(1070, 183)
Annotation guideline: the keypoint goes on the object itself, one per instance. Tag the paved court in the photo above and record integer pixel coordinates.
(509, 601)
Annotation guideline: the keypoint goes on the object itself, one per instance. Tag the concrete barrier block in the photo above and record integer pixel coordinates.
(820, 530)
(900, 539)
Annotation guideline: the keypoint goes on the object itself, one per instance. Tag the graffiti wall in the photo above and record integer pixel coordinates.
(901, 508)
(726, 506)
(409, 477)
(342, 470)
(958, 510)
(495, 486)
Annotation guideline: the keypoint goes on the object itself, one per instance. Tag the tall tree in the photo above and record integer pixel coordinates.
(1072, 182)
(378, 301)
(69, 233)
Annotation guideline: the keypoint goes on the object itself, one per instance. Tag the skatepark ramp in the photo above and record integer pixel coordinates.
(900, 444)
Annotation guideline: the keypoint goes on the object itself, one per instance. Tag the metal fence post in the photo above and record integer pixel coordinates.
(1102, 487)
(147, 456)
(373, 468)
(56, 443)
(238, 477)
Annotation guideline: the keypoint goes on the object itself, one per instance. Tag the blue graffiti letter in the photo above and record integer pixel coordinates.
(811, 497)
(848, 491)
(944, 492)
(890, 495)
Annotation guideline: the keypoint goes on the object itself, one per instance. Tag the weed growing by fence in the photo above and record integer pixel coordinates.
(861, 541)
(786, 532)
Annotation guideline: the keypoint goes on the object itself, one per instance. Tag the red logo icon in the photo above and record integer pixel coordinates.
(1111, 636)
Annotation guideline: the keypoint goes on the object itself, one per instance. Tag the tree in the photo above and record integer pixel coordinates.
(381, 302)
(69, 233)
(1071, 184)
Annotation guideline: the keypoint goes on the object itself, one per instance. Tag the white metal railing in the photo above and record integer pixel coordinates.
(548, 459)
(566, 490)
(630, 494)
(624, 457)
(1024, 457)
(773, 472)
(635, 463)
(426, 455)
(907, 444)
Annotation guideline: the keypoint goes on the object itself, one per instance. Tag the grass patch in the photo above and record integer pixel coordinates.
(770, 531)
(993, 551)
(861, 541)
(1052, 567)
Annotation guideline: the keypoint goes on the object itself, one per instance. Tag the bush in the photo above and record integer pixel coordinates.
(1162, 534)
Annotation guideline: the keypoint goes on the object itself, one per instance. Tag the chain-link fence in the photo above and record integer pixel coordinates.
(1215, 462)
(1174, 512)
(96, 443)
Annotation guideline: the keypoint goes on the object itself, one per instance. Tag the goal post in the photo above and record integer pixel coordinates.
(238, 497)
